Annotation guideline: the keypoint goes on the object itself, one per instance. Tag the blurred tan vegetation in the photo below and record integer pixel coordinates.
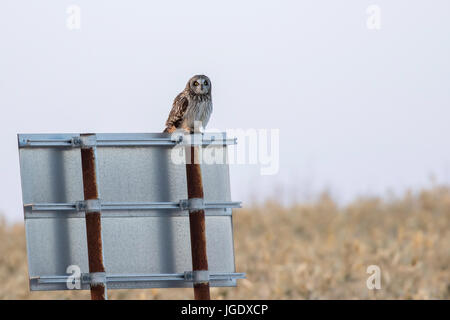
(306, 251)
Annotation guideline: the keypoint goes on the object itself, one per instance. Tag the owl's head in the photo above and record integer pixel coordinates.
(199, 84)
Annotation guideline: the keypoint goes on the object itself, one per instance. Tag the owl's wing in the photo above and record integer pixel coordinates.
(179, 107)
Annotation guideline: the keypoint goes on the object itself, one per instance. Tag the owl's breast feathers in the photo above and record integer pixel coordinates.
(187, 109)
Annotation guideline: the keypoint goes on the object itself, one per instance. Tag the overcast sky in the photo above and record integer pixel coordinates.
(360, 111)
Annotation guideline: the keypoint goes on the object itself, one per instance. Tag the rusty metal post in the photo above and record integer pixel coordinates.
(197, 221)
(93, 217)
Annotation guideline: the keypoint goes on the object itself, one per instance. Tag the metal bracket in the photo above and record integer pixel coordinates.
(178, 138)
(197, 276)
(198, 139)
(192, 204)
(182, 138)
(94, 278)
(88, 141)
(87, 206)
(75, 142)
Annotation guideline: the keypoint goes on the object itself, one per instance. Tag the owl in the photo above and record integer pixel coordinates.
(192, 106)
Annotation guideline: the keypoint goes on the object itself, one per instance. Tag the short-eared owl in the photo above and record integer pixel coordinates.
(193, 104)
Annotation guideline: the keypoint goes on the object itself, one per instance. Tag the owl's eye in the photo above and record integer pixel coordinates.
(206, 83)
(196, 83)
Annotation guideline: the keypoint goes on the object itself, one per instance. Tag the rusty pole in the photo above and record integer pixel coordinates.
(93, 217)
(197, 221)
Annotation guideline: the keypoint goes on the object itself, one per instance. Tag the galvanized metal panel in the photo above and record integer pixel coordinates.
(135, 242)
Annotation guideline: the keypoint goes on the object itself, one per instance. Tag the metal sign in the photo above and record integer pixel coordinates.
(144, 212)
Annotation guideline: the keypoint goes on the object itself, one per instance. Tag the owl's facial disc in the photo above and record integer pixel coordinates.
(200, 85)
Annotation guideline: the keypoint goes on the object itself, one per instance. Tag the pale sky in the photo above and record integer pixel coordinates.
(360, 111)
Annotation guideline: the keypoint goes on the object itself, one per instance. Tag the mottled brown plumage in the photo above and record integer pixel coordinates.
(192, 107)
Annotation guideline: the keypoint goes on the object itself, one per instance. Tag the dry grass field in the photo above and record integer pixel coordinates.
(306, 251)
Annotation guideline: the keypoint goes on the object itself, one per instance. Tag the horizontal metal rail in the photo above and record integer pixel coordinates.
(75, 142)
(124, 209)
(120, 278)
(120, 206)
